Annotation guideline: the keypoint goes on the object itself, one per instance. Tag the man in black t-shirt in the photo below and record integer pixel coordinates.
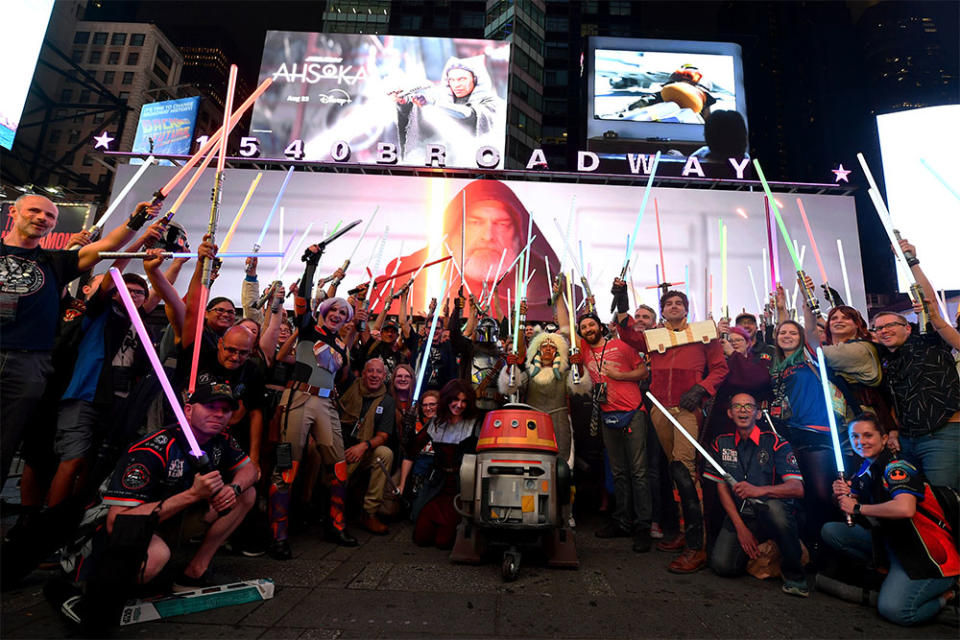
(31, 282)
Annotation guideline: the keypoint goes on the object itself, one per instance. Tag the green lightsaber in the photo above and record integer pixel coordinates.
(807, 293)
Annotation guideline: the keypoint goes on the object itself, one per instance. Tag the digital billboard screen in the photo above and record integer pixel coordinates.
(21, 35)
(661, 89)
(166, 128)
(385, 96)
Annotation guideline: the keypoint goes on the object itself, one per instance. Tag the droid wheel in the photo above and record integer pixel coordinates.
(510, 567)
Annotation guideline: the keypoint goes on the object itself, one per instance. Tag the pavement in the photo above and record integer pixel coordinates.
(389, 588)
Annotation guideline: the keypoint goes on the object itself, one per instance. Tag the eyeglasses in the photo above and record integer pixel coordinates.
(137, 292)
(749, 406)
(429, 405)
(224, 312)
(883, 327)
(243, 353)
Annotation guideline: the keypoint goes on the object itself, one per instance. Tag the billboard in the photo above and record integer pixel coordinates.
(24, 25)
(424, 216)
(923, 186)
(384, 96)
(661, 89)
(166, 128)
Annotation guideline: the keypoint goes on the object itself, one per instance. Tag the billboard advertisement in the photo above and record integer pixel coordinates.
(661, 89)
(166, 128)
(422, 218)
(384, 96)
(21, 34)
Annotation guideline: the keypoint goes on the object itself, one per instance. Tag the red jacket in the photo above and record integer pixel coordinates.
(675, 371)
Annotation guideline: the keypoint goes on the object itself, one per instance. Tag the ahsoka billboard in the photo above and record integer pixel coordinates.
(382, 98)
(169, 125)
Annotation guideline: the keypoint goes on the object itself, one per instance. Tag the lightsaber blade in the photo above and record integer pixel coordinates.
(656, 212)
(463, 282)
(513, 264)
(273, 209)
(425, 356)
(123, 192)
(571, 313)
(773, 258)
(831, 418)
(756, 294)
(236, 220)
(567, 249)
(943, 181)
(147, 343)
(724, 307)
(813, 242)
(141, 255)
(296, 248)
(496, 277)
(843, 270)
(643, 206)
(215, 138)
(463, 234)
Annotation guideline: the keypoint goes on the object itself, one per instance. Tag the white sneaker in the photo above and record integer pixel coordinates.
(571, 522)
(655, 531)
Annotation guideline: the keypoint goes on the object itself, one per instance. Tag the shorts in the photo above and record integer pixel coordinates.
(77, 423)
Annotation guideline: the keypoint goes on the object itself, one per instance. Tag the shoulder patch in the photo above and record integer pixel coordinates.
(136, 476)
(792, 459)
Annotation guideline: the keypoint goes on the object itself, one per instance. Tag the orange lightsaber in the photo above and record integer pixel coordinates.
(813, 242)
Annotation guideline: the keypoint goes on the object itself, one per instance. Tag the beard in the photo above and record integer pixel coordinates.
(479, 260)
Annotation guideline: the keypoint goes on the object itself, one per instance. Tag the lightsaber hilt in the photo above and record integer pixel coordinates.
(809, 294)
(336, 280)
(157, 197)
(730, 480)
(365, 305)
(574, 368)
(588, 293)
(923, 318)
(212, 227)
(846, 516)
(267, 295)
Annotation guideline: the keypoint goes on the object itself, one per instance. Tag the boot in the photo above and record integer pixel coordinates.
(335, 529)
(690, 561)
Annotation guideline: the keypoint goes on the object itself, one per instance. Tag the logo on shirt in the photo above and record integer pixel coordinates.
(20, 276)
(791, 459)
(729, 455)
(175, 470)
(763, 457)
(135, 477)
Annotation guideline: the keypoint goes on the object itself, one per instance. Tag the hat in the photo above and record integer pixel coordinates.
(210, 390)
(390, 324)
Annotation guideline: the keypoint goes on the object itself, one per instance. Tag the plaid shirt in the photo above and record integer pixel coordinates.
(922, 378)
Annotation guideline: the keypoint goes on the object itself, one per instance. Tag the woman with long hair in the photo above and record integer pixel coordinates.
(898, 514)
(451, 434)
(415, 471)
(800, 414)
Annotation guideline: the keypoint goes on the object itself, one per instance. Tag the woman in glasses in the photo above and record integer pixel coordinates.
(415, 470)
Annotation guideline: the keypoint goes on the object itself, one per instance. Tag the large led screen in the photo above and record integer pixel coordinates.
(388, 95)
(923, 186)
(21, 34)
(661, 89)
(425, 215)
(166, 128)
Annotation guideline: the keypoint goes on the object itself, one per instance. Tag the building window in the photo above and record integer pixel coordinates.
(87, 160)
(66, 95)
(472, 20)
(77, 55)
(620, 8)
(95, 57)
(136, 39)
(100, 37)
(109, 77)
(127, 77)
(164, 57)
(558, 77)
(124, 96)
(74, 136)
(160, 73)
(118, 39)
(113, 57)
(133, 58)
(55, 136)
(81, 37)
(557, 23)
(98, 118)
(84, 96)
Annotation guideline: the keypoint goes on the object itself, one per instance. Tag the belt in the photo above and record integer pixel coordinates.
(320, 392)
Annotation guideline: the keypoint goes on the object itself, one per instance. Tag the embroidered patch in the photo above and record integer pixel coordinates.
(175, 470)
(135, 477)
(791, 459)
(379, 410)
(729, 455)
(763, 457)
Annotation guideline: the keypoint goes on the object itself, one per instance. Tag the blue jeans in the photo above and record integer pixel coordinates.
(626, 449)
(777, 521)
(937, 454)
(902, 600)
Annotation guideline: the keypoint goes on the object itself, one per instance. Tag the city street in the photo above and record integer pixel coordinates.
(389, 588)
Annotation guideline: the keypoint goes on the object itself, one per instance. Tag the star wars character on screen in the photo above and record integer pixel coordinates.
(463, 114)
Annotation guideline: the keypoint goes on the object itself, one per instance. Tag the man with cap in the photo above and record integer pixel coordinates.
(160, 475)
(765, 469)
(684, 375)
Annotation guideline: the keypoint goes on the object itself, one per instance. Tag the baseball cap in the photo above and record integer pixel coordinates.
(211, 390)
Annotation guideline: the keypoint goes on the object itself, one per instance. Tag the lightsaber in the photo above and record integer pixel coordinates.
(463, 235)
(816, 252)
(286, 250)
(831, 418)
(574, 348)
(496, 277)
(729, 479)
(566, 234)
(643, 205)
(123, 194)
(843, 270)
(633, 288)
(147, 342)
(215, 199)
(142, 255)
(418, 269)
(939, 177)
(291, 254)
(273, 209)
(546, 263)
(233, 226)
(388, 300)
(214, 139)
(772, 252)
(513, 264)
(756, 294)
(724, 307)
(796, 285)
(808, 293)
(567, 249)
(463, 282)
(375, 263)
(425, 356)
(765, 271)
(346, 263)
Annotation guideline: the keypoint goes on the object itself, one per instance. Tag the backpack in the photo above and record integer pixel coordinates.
(949, 501)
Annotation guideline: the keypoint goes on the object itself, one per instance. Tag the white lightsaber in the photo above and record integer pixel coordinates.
(453, 259)
(123, 192)
(843, 270)
(756, 294)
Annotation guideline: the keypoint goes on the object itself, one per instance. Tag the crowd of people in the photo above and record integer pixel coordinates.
(308, 414)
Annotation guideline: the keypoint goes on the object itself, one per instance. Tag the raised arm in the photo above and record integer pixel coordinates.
(163, 288)
(949, 334)
(206, 250)
(90, 254)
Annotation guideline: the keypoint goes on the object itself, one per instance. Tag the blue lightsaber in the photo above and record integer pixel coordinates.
(636, 225)
(425, 356)
(273, 209)
(831, 418)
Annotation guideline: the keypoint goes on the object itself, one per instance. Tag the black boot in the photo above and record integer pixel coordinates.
(690, 504)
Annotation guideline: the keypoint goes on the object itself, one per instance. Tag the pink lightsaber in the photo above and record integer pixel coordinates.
(147, 343)
(813, 242)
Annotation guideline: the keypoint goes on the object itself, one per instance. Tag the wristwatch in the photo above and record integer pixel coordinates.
(856, 509)
(236, 489)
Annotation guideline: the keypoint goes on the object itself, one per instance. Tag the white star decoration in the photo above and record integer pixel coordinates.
(104, 140)
(841, 174)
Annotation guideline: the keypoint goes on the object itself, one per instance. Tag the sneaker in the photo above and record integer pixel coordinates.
(796, 589)
(280, 550)
(655, 531)
(612, 530)
(642, 542)
(186, 583)
(571, 522)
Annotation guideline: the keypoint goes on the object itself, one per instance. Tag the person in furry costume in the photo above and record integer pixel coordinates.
(544, 383)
